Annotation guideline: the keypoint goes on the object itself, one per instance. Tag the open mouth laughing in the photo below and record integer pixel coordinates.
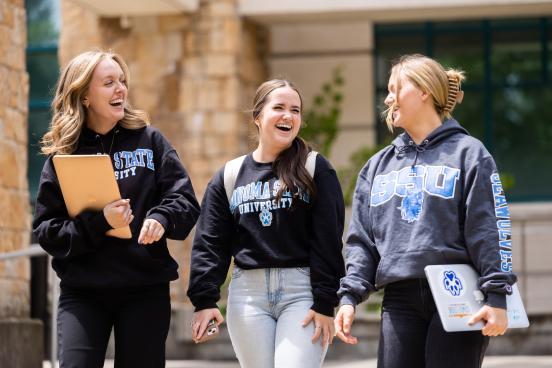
(284, 127)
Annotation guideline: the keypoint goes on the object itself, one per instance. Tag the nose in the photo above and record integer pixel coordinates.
(120, 86)
(287, 116)
(389, 99)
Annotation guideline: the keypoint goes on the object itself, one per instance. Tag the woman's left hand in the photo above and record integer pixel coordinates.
(495, 320)
(323, 327)
(151, 232)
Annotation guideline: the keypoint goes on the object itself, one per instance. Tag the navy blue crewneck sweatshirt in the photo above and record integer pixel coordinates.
(260, 232)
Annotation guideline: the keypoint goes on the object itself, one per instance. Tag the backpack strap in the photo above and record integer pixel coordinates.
(310, 164)
(231, 170)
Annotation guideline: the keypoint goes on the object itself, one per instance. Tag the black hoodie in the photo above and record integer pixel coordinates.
(149, 173)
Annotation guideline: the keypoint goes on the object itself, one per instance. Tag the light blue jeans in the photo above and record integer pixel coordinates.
(265, 311)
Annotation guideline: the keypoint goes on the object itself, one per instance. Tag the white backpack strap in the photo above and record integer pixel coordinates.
(231, 170)
(310, 164)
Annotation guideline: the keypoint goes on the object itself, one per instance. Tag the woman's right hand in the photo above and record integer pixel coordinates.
(118, 213)
(343, 323)
(201, 319)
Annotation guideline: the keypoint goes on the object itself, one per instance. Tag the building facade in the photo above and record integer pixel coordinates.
(195, 65)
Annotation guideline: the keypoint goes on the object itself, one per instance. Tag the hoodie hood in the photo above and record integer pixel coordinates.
(445, 130)
(404, 143)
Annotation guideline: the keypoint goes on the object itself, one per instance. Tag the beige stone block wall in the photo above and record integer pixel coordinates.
(195, 74)
(14, 197)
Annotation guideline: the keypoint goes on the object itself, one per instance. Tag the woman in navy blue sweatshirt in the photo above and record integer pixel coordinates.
(106, 282)
(431, 197)
(283, 226)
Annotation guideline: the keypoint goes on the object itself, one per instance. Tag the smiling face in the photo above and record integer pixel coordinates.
(280, 119)
(106, 96)
(406, 101)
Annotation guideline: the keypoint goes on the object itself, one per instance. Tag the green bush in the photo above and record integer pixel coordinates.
(321, 120)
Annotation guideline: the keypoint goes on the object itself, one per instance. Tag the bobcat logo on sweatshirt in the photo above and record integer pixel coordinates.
(412, 184)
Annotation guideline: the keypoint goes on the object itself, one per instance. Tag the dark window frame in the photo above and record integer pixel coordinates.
(487, 29)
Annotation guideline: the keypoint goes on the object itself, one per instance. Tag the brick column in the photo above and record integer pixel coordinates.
(16, 330)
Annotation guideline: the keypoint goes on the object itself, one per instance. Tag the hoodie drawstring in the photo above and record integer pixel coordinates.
(419, 149)
(411, 145)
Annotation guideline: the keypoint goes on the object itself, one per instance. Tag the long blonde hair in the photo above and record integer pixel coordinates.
(68, 112)
(444, 86)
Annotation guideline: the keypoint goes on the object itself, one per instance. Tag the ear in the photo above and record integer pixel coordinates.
(85, 102)
(424, 95)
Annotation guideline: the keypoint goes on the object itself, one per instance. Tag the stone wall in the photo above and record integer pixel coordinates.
(195, 74)
(14, 196)
(17, 331)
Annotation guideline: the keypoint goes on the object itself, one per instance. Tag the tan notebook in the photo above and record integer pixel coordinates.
(88, 183)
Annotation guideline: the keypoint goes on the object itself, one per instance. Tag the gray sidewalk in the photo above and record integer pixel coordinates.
(490, 362)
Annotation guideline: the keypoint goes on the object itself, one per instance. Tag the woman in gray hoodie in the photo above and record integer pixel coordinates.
(431, 197)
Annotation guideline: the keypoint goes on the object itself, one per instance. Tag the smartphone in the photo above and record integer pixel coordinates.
(211, 331)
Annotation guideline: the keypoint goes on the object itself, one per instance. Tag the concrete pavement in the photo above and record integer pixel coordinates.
(490, 362)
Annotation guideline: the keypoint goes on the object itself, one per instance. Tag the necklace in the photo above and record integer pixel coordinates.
(112, 140)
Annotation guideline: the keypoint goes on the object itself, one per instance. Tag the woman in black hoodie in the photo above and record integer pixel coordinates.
(110, 283)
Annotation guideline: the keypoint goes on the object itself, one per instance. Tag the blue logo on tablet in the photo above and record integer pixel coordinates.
(452, 283)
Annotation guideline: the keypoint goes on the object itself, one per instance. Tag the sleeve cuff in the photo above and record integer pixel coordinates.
(161, 219)
(204, 305)
(324, 307)
(97, 222)
(348, 299)
(496, 300)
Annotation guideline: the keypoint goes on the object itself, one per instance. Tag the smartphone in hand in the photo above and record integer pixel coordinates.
(211, 331)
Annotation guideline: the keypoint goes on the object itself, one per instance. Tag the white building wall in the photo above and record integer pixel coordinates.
(308, 53)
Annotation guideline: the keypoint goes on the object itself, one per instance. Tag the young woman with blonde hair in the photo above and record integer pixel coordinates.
(431, 197)
(110, 283)
(283, 226)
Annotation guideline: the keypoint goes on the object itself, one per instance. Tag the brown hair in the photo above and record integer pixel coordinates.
(289, 166)
(444, 86)
(69, 114)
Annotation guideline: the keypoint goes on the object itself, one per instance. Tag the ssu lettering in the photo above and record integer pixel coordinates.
(437, 181)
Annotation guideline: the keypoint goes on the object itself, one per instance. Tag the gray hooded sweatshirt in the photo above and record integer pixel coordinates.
(439, 202)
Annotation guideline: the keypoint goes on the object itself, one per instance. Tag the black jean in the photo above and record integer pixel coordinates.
(139, 316)
(412, 334)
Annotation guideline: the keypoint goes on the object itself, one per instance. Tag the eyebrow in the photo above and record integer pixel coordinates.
(281, 104)
(113, 76)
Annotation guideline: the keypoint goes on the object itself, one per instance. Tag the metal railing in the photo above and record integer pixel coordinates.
(35, 250)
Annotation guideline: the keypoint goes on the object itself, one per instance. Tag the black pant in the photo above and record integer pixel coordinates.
(140, 317)
(412, 334)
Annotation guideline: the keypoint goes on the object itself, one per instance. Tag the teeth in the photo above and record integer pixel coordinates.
(120, 100)
(286, 126)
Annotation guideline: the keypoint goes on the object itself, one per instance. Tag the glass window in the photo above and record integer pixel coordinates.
(522, 139)
(508, 63)
(462, 51)
(469, 113)
(516, 56)
(39, 118)
(43, 24)
(42, 66)
(548, 45)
